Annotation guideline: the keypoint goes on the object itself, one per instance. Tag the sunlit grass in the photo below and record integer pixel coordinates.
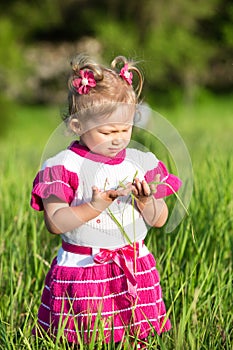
(196, 276)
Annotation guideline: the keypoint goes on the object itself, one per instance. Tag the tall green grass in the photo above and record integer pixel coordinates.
(196, 275)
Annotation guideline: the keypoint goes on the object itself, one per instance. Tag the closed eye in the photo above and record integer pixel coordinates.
(113, 131)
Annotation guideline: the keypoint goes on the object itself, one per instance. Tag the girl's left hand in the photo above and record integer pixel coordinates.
(154, 211)
(142, 190)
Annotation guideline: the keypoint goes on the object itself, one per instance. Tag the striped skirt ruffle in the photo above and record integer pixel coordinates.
(83, 300)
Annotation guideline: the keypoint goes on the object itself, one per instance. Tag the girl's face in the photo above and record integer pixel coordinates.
(109, 135)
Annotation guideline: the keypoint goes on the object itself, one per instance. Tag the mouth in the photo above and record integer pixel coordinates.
(114, 149)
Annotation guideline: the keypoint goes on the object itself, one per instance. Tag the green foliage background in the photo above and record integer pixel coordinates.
(184, 44)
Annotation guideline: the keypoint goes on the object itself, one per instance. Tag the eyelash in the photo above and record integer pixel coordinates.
(108, 133)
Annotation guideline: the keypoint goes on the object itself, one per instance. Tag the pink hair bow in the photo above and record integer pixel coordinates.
(126, 74)
(86, 81)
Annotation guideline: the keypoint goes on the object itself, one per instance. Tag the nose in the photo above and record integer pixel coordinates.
(117, 139)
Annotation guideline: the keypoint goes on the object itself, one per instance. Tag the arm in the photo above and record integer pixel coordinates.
(154, 211)
(60, 217)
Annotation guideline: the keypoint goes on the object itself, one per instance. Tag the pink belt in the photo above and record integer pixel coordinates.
(124, 257)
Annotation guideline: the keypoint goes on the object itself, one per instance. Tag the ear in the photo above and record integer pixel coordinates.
(75, 126)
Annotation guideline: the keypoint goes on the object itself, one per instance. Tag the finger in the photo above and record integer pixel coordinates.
(153, 188)
(125, 191)
(138, 186)
(157, 178)
(113, 194)
(146, 188)
(134, 191)
(95, 191)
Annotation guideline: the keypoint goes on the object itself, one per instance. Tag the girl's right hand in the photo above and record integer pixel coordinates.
(60, 217)
(102, 199)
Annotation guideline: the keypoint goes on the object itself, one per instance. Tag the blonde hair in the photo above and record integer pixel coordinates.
(110, 90)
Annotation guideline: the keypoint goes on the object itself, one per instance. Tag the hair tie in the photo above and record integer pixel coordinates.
(86, 81)
(126, 74)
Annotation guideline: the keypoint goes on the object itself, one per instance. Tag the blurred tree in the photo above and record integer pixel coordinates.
(218, 30)
(169, 36)
(185, 44)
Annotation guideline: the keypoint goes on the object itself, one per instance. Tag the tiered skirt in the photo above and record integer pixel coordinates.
(82, 302)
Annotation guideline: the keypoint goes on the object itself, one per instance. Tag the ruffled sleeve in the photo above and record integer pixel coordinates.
(54, 180)
(169, 183)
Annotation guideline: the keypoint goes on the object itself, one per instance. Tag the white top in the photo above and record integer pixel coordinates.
(70, 176)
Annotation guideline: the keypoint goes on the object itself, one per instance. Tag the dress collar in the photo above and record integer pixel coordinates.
(84, 152)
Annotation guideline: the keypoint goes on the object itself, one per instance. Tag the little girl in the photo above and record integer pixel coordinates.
(101, 196)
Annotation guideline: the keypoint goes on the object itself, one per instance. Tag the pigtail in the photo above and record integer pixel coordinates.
(82, 62)
(120, 61)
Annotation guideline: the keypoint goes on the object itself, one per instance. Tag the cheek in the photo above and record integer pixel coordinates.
(88, 139)
(97, 140)
(127, 136)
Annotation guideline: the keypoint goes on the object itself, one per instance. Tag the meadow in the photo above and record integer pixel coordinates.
(195, 260)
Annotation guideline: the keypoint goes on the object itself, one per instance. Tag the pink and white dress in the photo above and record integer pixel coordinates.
(97, 275)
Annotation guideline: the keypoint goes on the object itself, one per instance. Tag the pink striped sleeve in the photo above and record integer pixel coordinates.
(170, 185)
(55, 180)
